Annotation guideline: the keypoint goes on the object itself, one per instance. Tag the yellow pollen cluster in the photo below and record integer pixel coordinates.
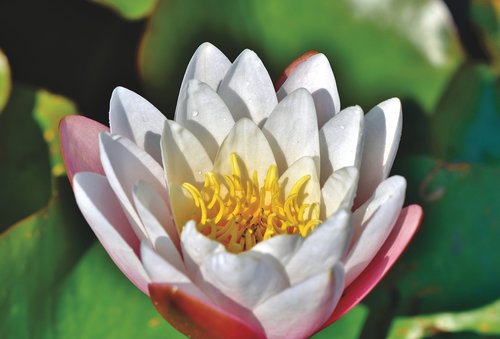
(239, 213)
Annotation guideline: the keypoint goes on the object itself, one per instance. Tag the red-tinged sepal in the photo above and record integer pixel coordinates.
(197, 319)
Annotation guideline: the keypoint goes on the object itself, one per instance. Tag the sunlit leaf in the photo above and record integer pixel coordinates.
(484, 320)
(5, 81)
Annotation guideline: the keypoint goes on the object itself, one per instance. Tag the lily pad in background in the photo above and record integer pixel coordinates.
(29, 151)
(35, 256)
(5, 81)
(467, 120)
(97, 301)
(484, 320)
(130, 9)
(450, 265)
(378, 49)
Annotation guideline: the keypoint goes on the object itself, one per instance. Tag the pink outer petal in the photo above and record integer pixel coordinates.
(290, 68)
(406, 226)
(80, 144)
(195, 318)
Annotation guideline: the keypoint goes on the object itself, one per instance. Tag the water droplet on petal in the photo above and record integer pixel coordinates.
(342, 127)
(195, 113)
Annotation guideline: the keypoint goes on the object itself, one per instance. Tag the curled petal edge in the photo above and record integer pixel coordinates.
(195, 318)
(406, 226)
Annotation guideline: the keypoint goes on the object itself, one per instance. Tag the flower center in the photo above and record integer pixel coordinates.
(239, 213)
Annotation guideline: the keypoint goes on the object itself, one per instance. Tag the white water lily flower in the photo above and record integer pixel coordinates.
(253, 211)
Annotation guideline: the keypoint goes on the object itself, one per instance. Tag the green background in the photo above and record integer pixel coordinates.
(441, 58)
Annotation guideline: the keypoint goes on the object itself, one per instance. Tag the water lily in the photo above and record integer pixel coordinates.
(255, 212)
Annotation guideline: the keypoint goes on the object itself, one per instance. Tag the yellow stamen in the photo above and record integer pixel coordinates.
(239, 213)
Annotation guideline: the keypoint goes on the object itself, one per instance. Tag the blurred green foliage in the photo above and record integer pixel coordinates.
(131, 10)
(57, 282)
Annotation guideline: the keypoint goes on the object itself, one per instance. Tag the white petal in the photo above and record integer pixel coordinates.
(247, 89)
(316, 75)
(247, 278)
(322, 248)
(157, 220)
(341, 141)
(300, 168)
(339, 191)
(196, 247)
(207, 116)
(281, 247)
(292, 129)
(158, 269)
(381, 140)
(184, 158)
(133, 117)
(249, 143)
(300, 310)
(101, 209)
(209, 65)
(373, 222)
(125, 164)
(161, 271)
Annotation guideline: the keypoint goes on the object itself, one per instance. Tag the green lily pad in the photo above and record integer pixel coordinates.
(97, 301)
(29, 151)
(130, 9)
(347, 327)
(35, 256)
(467, 119)
(483, 321)
(450, 264)
(377, 50)
(5, 81)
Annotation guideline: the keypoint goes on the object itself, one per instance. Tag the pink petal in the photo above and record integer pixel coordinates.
(195, 318)
(80, 144)
(103, 212)
(406, 226)
(290, 68)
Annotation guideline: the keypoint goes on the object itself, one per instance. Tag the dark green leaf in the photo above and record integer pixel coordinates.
(449, 265)
(29, 151)
(467, 120)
